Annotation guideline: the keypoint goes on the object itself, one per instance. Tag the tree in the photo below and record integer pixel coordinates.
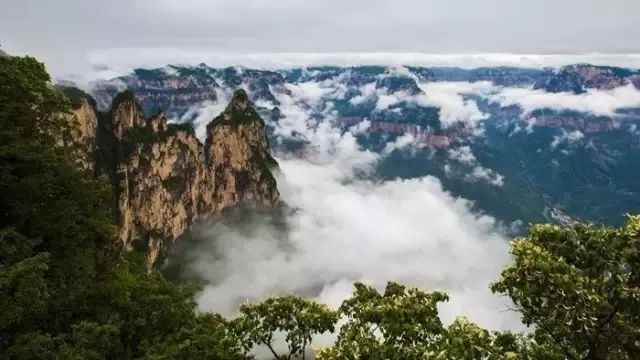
(55, 229)
(298, 318)
(579, 288)
(208, 337)
(403, 323)
(67, 290)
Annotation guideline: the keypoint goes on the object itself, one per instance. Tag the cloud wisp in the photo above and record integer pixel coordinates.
(469, 168)
(596, 102)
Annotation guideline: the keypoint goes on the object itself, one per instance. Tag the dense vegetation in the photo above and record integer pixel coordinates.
(67, 290)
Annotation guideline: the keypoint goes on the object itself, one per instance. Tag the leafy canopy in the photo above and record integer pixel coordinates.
(579, 288)
(67, 291)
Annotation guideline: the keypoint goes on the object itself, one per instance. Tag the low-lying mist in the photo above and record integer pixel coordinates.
(338, 227)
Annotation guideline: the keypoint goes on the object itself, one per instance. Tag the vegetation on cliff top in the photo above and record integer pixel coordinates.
(76, 96)
(68, 291)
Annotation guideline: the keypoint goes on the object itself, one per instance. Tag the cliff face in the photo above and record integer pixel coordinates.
(84, 123)
(165, 180)
(237, 152)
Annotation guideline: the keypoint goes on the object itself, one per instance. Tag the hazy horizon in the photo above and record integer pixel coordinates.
(118, 34)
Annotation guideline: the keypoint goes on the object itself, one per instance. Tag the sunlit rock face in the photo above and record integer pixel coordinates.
(84, 123)
(165, 180)
(237, 152)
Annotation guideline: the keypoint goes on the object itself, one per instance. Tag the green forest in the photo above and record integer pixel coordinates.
(68, 291)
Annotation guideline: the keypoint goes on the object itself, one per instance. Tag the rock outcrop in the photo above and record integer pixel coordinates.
(165, 180)
(237, 152)
(84, 123)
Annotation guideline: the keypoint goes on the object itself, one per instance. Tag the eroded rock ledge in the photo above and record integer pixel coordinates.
(164, 179)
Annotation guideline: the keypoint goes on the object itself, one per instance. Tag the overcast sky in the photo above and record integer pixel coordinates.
(69, 34)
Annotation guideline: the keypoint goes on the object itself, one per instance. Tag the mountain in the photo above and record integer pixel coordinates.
(525, 145)
(177, 89)
(581, 77)
(174, 89)
(165, 180)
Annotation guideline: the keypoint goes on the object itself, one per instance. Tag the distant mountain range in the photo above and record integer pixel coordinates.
(525, 145)
(176, 88)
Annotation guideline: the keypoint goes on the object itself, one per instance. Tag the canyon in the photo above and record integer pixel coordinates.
(181, 89)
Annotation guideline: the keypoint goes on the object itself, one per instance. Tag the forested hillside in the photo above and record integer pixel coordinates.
(70, 290)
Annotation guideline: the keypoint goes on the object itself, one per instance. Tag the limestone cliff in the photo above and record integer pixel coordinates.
(83, 122)
(237, 152)
(165, 180)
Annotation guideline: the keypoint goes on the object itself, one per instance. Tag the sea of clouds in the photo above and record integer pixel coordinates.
(109, 63)
(347, 228)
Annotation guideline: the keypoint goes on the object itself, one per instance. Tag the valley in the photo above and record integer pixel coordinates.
(573, 149)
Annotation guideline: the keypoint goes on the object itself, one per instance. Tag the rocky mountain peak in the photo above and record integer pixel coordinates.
(165, 180)
(239, 102)
(237, 151)
(126, 113)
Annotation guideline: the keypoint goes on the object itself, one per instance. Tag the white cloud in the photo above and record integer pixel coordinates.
(312, 92)
(201, 114)
(597, 102)
(448, 96)
(566, 137)
(387, 100)
(488, 175)
(454, 108)
(170, 70)
(361, 127)
(120, 61)
(402, 71)
(462, 154)
(345, 229)
(401, 142)
(367, 93)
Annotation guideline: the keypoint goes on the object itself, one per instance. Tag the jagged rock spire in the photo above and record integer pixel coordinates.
(239, 102)
(165, 180)
(126, 113)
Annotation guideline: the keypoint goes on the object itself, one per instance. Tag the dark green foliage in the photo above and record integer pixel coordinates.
(123, 96)
(176, 185)
(231, 77)
(146, 74)
(76, 96)
(580, 287)
(298, 318)
(24, 81)
(172, 129)
(195, 342)
(66, 289)
(403, 323)
(145, 136)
